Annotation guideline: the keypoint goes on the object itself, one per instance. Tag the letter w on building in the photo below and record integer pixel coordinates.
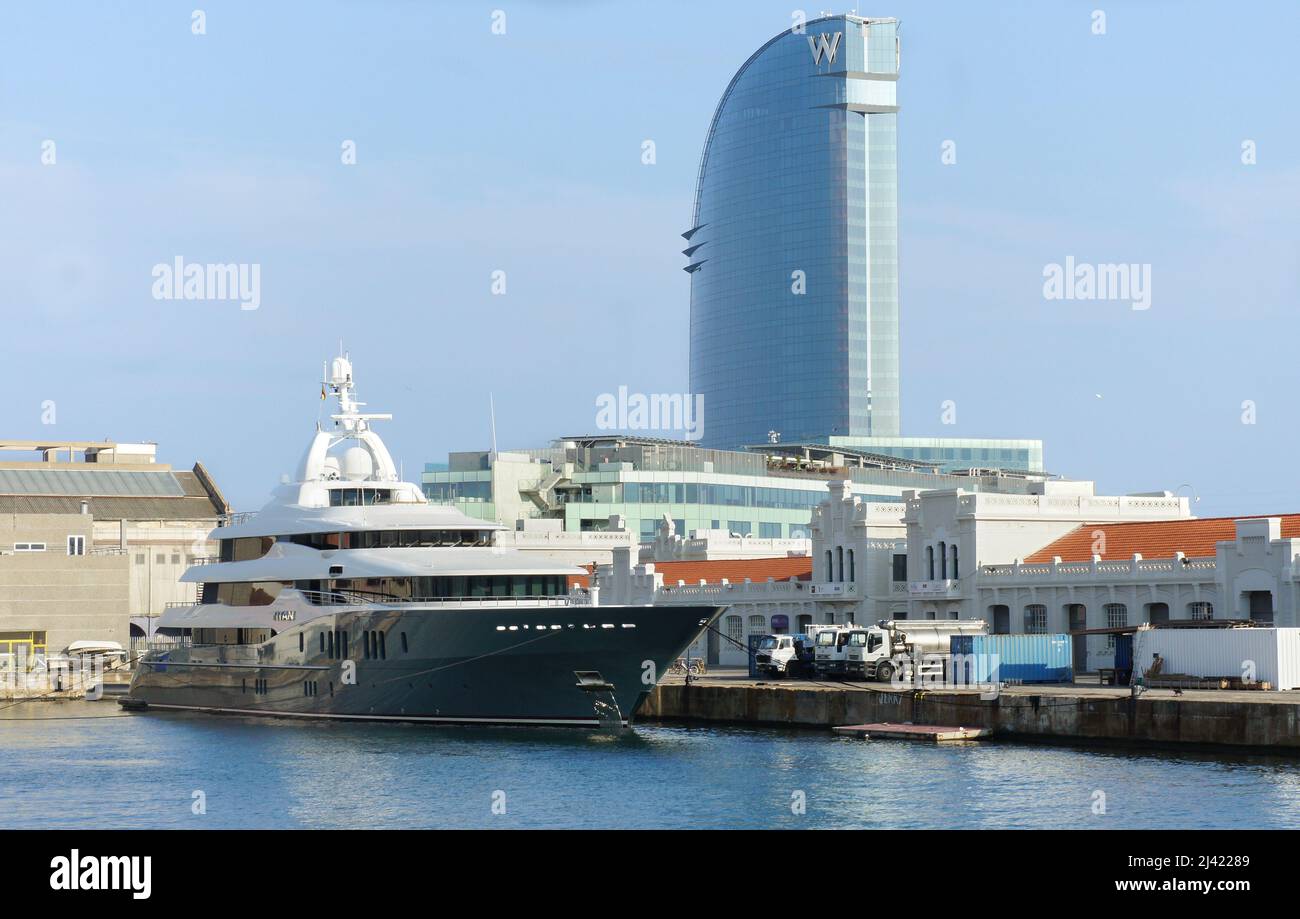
(825, 44)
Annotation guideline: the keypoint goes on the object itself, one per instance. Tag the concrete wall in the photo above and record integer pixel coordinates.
(158, 552)
(1060, 715)
(68, 597)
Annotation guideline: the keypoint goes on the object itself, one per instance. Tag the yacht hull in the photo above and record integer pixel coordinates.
(498, 665)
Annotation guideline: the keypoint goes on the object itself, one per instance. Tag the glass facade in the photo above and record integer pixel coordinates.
(793, 250)
(696, 488)
(949, 454)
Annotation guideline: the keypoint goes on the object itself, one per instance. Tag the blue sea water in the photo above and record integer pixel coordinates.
(80, 764)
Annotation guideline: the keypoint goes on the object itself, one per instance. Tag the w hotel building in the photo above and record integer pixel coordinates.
(793, 254)
(794, 244)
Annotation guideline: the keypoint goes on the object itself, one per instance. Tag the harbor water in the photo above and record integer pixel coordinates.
(81, 764)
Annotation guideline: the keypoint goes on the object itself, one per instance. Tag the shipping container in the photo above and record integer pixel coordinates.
(1264, 655)
(1012, 659)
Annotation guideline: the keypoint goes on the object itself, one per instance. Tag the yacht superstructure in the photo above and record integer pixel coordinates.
(350, 596)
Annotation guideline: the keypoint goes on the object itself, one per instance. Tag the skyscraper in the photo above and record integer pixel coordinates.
(793, 249)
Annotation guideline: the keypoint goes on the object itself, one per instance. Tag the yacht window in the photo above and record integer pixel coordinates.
(243, 593)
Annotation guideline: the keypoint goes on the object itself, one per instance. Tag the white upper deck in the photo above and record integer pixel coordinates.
(347, 481)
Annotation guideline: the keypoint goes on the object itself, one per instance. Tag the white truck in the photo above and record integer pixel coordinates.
(910, 648)
(831, 649)
(787, 655)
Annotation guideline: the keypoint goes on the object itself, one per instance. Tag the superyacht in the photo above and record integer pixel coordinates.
(350, 596)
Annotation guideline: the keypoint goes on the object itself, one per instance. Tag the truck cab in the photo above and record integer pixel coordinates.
(831, 649)
(777, 655)
(865, 649)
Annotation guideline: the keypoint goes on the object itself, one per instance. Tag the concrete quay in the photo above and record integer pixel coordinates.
(1068, 713)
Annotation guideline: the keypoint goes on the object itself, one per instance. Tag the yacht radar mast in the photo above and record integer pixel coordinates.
(349, 424)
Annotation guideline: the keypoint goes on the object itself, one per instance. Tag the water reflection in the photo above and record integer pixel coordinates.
(82, 764)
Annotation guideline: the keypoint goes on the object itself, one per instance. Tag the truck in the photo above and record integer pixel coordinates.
(788, 655)
(831, 649)
(909, 648)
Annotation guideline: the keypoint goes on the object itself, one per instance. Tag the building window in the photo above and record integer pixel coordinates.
(955, 575)
(76, 545)
(1036, 619)
(853, 571)
(769, 530)
(758, 624)
(900, 567)
(300, 642)
(1201, 610)
(830, 566)
(943, 561)
(29, 547)
(735, 629)
(929, 563)
(839, 558)
(1116, 617)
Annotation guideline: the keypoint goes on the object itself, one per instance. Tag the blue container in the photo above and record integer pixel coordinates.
(1012, 659)
(1123, 652)
(1123, 660)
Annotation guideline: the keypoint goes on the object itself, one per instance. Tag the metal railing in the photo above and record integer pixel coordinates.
(159, 643)
(235, 518)
(369, 598)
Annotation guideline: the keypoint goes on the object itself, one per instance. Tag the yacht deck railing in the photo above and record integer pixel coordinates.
(367, 598)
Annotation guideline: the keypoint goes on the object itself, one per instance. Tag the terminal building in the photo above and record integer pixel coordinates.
(93, 539)
(767, 493)
(1057, 559)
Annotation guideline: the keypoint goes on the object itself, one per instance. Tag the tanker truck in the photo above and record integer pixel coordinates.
(910, 648)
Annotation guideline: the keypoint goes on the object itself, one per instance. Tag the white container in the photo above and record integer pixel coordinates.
(1275, 653)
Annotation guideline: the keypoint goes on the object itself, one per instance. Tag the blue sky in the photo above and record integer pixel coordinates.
(522, 152)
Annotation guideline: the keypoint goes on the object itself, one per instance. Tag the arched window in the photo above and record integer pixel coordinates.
(735, 628)
(929, 562)
(830, 566)
(943, 561)
(1116, 617)
(839, 554)
(853, 572)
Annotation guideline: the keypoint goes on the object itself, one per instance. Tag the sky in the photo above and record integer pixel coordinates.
(128, 140)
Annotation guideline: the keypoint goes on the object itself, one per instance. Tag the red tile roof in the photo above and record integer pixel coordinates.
(1161, 539)
(735, 570)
